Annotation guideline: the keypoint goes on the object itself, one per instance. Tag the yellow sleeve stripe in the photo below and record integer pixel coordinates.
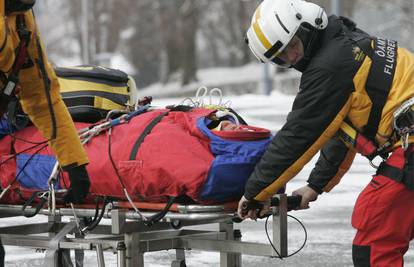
(295, 168)
(343, 168)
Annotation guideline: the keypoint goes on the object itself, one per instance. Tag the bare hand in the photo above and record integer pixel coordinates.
(308, 195)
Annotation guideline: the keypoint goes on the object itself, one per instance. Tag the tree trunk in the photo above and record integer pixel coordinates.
(244, 25)
(189, 18)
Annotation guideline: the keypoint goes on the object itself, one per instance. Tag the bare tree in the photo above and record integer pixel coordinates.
(171, 39)
(145, 45)
(189, 18)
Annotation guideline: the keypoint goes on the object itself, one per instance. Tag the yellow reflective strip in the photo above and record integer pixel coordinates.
(80, 68)
(261, 36)
(67, 85)
(294, 169)
(259, 32)
(103, 103)
(348, 130)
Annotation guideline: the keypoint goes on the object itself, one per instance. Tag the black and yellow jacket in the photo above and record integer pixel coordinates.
(332, 89)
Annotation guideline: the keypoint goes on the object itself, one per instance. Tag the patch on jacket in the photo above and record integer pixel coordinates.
(358, 53)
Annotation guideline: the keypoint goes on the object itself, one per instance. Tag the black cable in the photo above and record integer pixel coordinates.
(27, 141)
(26, 163)
(24, 150)
(113, 162)
(271, 243)
(97, 219)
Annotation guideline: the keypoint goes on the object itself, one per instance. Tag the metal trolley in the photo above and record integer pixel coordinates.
(129, 238)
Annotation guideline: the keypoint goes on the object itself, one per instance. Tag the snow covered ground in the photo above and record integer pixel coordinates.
(327, 221)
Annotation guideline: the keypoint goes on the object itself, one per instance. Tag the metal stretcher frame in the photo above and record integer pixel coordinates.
(130, 238)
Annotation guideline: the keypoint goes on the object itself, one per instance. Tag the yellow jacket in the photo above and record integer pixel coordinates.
(38, 82)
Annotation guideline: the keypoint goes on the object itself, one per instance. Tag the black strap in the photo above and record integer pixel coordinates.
(47, 85)
(38, 206)
(379, 82)
(391, 172)
(146, 131)
(158, 216)
(20, 58)
(98, 215)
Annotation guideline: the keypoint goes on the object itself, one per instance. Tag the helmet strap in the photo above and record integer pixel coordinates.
(308, 35)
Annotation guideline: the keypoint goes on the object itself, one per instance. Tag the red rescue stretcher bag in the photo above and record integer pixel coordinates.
(158, 154)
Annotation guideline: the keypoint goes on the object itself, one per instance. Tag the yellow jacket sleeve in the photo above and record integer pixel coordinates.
(6, 46)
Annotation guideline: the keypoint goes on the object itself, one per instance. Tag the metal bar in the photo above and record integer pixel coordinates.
(134, 257)
(27, 229)
(179, 258)
(118, 221)
(199, 208)
(279, 225)
(52, 252)
(226, 259)
(25, 241)
(16, 210)
(100, 255)
(245, 248)
(121, 250)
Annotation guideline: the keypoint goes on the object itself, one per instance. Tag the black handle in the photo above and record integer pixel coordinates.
(293, 202)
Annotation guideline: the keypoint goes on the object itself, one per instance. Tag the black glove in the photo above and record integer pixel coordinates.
(79, 185)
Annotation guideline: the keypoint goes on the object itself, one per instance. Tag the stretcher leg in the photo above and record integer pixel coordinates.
(180, 259)
(279, 225)
(134, 257)
(100, 255)
(64, 258)
(54, 256)
(121, 250)
(229, 259)
(79, 254)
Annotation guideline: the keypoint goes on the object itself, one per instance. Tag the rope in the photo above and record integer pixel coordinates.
(274, 248)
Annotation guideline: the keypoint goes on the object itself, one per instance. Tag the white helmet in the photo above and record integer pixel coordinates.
(275, 22)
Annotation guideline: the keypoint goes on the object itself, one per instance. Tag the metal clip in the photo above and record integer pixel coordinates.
(43, 195)
(404, 140)
(372, 164)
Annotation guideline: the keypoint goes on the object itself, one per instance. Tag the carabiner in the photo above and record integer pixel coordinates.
(404, 140)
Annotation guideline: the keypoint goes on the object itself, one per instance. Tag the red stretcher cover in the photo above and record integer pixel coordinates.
(179, 156)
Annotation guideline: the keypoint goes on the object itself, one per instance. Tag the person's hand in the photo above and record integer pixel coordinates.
(308, 195)
(253, 213)
(79, 185)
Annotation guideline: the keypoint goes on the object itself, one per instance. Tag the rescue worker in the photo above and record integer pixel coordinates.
(355, 95)
(26, 72)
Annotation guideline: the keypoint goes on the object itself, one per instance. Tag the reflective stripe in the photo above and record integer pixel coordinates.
(348, 134)
(259, 33)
